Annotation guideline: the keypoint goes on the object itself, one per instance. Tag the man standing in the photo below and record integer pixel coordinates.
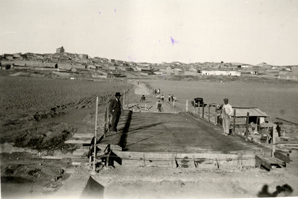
(158, 105)
(115, 111)
(226, 114)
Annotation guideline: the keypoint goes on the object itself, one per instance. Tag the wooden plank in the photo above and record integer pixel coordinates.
(207, 166)
(79, 153)
(282, 156)
(159, 156)
(77, 141)
(85, 159)
(279, 162)
(207, 155)
(294, 144)
(130, 162)
(160, 163)
(268, 162)
(101, 146)
(131, 155)
(249, 162)
(82, 149)
(286, 121)
(228, 163)
(83, 135)
(76, 163)
(292, 148)
(203, 163)
(51, 157)
(261, 160)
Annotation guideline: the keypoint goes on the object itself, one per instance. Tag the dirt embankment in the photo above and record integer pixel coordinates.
(39, 114)
(30, 106)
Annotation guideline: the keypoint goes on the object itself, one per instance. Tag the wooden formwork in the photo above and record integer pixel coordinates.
(269, 162)
(187, 160)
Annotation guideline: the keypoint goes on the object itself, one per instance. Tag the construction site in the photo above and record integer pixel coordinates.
(178, 152)
(148, 99)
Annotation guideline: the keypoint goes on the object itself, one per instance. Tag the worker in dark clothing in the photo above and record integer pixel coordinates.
(143, 98)
(115, 111)
(278, 130)
(158, 106)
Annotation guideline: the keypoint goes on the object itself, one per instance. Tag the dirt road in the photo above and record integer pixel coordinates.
(149, 105)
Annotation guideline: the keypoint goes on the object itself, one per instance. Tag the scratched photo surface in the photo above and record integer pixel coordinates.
(128, 76)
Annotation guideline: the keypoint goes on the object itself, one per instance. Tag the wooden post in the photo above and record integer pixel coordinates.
(273, 140)
(173, 103)
(240, 157)
(145, 106)
(209, 113)
(123, 99)
(186, 106)
(90, 162)
(215, 118)
(203, 107)
(105, 123)
(108, 119)
(127, 101)
(247, 123)
(258, 124)
(234, 122)
(95, 133)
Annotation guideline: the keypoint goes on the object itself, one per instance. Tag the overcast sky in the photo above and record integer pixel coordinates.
(243, 31)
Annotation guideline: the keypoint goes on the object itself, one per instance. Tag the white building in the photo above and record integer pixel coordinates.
(218, 72)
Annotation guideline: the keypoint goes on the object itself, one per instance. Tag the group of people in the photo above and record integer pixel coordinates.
(156, 91)
(161, 97)
(172, 98)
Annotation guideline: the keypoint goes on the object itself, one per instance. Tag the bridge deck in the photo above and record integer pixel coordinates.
(181, 132)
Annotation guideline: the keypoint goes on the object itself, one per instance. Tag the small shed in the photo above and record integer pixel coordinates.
(255, 115)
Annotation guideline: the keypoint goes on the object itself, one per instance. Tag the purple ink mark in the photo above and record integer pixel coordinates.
(115, 10)
(159, 41)
(99, 12)
(131, 58)
(173, 41)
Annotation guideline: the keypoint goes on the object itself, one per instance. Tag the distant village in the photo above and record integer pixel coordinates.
(111, 68)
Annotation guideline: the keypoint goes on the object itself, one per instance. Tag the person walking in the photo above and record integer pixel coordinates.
(169, 97)
(158, 105)
(226, 114)
(115, 111)
(162, 98)
(142, 98)
(158, 91)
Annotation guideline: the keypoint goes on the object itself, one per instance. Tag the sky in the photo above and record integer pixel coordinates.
(155, 31)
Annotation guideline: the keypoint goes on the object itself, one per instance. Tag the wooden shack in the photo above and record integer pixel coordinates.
(254, 114)
(240, 115)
